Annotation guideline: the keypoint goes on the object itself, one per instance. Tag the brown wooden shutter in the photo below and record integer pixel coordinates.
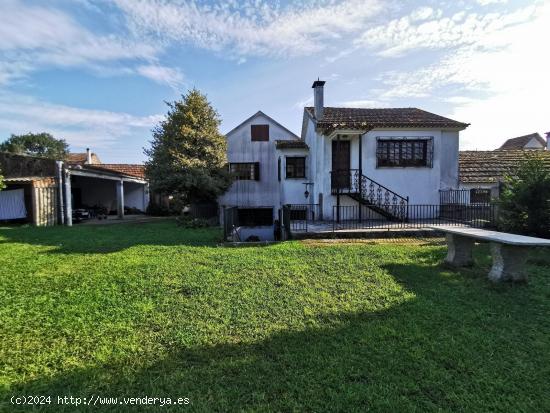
(259, 133)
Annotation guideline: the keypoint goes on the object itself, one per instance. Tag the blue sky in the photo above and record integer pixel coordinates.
(97, 72)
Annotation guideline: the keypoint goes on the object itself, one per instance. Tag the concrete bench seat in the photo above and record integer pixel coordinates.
(509, 251)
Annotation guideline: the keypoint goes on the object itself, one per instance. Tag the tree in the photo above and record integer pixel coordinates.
(2, 186)
(188, 153)
(525, 200)
(38, 144)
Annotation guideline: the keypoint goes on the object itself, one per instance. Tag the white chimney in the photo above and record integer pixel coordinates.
(318, 98)
(88, 156)
(547, 141)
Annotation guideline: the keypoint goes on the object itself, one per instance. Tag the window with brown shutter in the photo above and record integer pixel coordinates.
(259, 133)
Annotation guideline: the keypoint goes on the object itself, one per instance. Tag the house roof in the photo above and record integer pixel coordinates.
(260, 113)
(362, 118)
(291, 144)
(135, 170)
(521, 141)
(492, 166)
(80, 158)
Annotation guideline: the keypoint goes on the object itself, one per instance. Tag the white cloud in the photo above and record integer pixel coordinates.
(499, 83)
(253, 27)
(35, 37)
(162, 75)
(407, 33)
(363, 103)
(80, 127)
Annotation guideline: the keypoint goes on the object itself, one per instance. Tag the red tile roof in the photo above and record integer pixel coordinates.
(135, 170)
(361, 118)
(492, 166)
(521, 141)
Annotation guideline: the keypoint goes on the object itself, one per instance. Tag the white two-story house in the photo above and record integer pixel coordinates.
(384, 159)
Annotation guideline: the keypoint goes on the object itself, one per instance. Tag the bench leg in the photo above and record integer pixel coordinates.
(459, 251)
(509, 263)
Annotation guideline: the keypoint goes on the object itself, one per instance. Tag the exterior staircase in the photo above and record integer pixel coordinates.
(370, 193)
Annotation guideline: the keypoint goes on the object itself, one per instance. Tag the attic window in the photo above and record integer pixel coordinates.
(259, 133)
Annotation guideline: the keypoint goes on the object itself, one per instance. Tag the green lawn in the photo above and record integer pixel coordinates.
(156, 310)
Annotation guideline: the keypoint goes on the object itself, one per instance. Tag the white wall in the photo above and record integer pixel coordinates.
(240, 148)
(420, 184)
(136, 196)
(292, 189)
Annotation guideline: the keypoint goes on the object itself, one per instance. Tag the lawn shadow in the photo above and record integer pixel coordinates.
(448, 349)
(100, 239)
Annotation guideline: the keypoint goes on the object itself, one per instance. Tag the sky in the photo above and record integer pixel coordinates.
(97, 73)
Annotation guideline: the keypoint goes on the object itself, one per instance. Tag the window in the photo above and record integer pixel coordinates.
(296, 167)
(480, 196)
(243, 171)
(404, 152)
(253, 217)
(259, 132)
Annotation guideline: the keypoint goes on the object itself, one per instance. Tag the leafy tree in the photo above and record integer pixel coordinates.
(2, 186)
(188, 153)
(525, 200)
(38, 144)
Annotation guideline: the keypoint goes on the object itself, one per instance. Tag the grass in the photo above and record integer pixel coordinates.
(156, 310)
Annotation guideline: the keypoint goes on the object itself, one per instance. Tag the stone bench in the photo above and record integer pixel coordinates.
(509, 251)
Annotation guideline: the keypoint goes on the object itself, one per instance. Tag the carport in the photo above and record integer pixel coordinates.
(94, 186)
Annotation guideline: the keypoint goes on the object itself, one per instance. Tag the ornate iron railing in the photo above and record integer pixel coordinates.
(369, 192)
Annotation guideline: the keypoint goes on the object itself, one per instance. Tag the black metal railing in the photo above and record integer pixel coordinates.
(419, 216)
(372, 194)
(302, 214)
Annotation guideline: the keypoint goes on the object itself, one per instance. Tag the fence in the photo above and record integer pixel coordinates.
(465, 196)
(419, 216)
(302, 214)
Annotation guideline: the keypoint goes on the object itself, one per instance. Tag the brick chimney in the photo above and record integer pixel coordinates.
(318, 98)
(88, 156)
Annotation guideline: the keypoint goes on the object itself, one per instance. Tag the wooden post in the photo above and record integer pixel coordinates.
(68, 200)
(120, 199)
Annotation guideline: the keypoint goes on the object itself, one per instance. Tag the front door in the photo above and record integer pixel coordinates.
(341, 164)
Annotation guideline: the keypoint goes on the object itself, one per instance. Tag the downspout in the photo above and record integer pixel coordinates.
(60, 203)
(338, 181)
(359, 180)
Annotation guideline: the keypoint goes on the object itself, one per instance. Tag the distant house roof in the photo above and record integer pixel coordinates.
(521, 141)
(492, 166)
(80, 158)
(134, 170)
(291, 144)
(361, 118)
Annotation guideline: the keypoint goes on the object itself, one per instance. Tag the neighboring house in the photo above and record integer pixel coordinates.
(487, 169)
(45, 192)
(82, 158)
(384, 159)
(532, 141)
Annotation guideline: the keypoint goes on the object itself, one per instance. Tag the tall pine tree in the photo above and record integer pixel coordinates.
(187, 157)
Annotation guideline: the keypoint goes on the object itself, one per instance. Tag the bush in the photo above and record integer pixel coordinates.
(159, 210)
(186, 221)
(525, 200)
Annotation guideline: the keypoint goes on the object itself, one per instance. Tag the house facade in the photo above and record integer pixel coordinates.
(384, 159)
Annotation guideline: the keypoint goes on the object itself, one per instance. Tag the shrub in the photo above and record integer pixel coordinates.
(525, 200)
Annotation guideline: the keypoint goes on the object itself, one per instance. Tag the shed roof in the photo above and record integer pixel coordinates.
(492, 166)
